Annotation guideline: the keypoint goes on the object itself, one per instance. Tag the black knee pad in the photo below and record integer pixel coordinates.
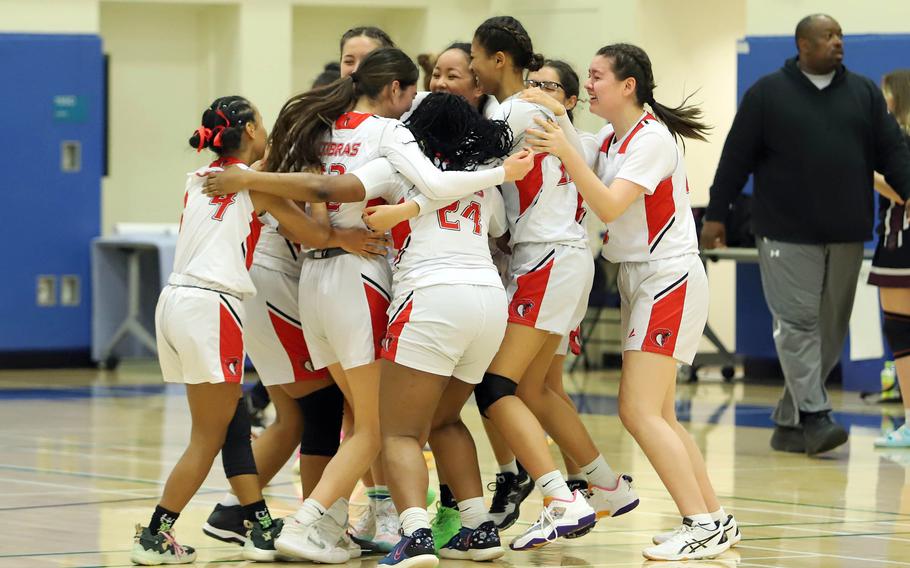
(492, 388)
(322, 413)
(897, 332)
(237, 451)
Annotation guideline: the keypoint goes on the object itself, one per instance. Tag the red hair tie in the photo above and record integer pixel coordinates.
(204, 135)
(221, 114)
(218, 130)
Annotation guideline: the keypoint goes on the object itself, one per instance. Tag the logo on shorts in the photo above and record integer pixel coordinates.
(387, 342)
(661, 336)
(233, 366)
(523, 307)
(308, 366)
(607, 236)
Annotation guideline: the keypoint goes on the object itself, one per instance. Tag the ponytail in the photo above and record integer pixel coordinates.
(306, 119)
(683, 121)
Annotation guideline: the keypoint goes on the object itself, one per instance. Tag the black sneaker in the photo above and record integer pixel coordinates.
(821, 433)
(415, 551)
(260, 542)
(581, 486)
(161, 548)
(788, 439)
(226, 524)
(508, 493)
(479, 545)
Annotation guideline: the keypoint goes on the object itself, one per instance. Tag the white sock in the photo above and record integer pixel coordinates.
(473, 512)
(599, 473)
(719, 515)
(511, 467)
(906, 417)
(703, 519)
(553, 485)
(230, 500)
(413, 519)
(577, 477)
(310, 512)
(339, 511)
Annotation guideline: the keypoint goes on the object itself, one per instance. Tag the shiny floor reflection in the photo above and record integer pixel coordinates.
(83, 455)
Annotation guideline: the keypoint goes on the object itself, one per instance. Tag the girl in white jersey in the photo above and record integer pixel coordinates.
(639, 188)
(308, 403)
(198, 324)
(556, 87)
(446, 322)
(343, 310)
(550, 276)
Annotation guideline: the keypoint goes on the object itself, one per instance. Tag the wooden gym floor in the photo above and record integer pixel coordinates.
(83, 455)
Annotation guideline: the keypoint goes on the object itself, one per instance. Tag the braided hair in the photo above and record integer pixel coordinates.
(371, 32)
(630, 60)
(506, 34)
(455, 136)
(222, 125)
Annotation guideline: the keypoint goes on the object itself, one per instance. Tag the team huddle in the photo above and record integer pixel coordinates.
(383, 255)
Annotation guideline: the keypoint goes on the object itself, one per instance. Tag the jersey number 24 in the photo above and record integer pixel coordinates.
(471, 212)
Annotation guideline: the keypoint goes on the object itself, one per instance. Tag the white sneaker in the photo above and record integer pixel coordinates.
(691, 542)
(613, 502)
(730, 528)
(338, 530)
(387, 526)
(557, 519)
(310, 542)
(365, 527)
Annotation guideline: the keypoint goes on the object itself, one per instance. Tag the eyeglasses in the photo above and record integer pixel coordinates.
(551, 86)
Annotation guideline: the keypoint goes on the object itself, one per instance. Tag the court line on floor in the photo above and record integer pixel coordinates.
(822, 555)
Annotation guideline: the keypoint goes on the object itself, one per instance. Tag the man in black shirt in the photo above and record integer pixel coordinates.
(812, 134)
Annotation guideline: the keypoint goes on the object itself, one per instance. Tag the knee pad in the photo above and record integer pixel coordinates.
(897, 332)
(322, 413)
(237, 451)
(492, 388)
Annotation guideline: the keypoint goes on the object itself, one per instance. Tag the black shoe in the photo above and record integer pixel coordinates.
(822, 434)
(226, 524)
(260, 544)
(414, 550)
(508, 493)
(788, 439)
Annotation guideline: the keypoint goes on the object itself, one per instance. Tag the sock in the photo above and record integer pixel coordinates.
(339, 511)
(579, 476)
(162, 520)
(703, 519)
(511, 467)
(553, 485)
(599, 473)
(258, 513)
(446, 497)
(719, 515)
(380, 492)
(310, 512)
(907, 416)
(230, 500)
(473, 512)
(412, 519)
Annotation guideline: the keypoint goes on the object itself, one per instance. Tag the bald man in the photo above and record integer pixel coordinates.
(811, 133)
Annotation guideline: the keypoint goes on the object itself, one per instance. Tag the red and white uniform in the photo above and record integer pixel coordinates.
(448, 315)
(198, 320)
(662, 281)
(274, 337)
(343, 299)
(551, 269)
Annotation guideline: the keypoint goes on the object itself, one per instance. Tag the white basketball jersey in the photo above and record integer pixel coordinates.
(217, 237)
(276, 252)
(659, 224)
(448, 242)
(542, 207)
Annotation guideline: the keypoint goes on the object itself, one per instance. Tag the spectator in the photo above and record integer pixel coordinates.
(812, 133)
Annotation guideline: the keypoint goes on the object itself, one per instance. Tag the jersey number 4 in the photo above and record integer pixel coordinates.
(471, 213)
(223, 202)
